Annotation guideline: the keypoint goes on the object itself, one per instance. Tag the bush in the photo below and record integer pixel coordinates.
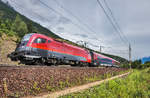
(136, 64)
(125, 65)
(0, 33)
(147, 64)
(11, 33)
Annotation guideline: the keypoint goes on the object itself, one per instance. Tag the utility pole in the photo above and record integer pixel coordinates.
(85, 44)
(101, 48)
(130, 55)
(82, 43)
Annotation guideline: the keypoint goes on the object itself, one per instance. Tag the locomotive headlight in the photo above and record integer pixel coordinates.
(22, 46)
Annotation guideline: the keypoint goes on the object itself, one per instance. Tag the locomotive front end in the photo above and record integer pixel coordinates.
(22, 48)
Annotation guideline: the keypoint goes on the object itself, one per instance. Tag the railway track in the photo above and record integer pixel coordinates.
(31, 66)
(10, 65)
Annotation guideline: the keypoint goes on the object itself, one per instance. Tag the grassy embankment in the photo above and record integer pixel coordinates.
(136, 85)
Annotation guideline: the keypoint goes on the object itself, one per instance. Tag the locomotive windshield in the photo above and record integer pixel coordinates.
(23, 42)
(27, 37)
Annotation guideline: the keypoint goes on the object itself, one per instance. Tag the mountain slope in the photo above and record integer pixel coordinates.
(13, 23)
(8, 13)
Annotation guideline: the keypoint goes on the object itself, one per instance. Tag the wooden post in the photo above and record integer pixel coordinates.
(5, 86)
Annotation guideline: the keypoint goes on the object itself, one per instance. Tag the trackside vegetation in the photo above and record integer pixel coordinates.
(23, 81)
(137, 64)
(136, 85)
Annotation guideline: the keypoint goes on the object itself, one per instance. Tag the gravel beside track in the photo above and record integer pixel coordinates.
(77, 88)
(32, 80)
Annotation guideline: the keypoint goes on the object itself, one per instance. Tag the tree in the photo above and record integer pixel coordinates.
(19, 26)
(8, 24)
(136, 64)
(30, 27)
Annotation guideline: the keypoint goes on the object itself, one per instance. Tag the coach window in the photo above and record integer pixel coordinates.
(40, 40)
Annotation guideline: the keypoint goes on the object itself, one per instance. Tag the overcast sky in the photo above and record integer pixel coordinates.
(84, 20)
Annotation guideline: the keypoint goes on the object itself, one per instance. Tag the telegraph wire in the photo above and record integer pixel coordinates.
(69, 12)
(84, 23)
(111, 13)
(120, 31)
(81, 28)
(108, 49)
(108, 17)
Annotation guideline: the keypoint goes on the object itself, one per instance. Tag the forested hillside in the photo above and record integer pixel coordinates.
(13, 24)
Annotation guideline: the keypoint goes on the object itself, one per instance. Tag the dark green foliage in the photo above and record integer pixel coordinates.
(147, 64)
(5, 27)
(125, 65)
(136, 64)
(19, 26)
(30, 27)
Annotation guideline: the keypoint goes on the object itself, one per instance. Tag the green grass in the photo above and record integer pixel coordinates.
(136, 85)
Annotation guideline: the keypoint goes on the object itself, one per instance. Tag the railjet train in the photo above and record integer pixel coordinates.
(38, 49)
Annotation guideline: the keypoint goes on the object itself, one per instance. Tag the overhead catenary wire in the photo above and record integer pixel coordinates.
(109, 49)
(79, 20)
(68, 11)
(116, 23)
(81, 28)
(120, 31)
(110, 20)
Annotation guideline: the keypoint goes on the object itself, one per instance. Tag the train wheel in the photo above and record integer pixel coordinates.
(27, 62)
(40, 61)
(73, 65)
(54, 62)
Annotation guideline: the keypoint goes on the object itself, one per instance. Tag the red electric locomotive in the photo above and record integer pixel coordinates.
(37, 48)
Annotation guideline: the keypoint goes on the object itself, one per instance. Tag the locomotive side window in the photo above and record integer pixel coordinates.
(49, 41)
(40, 40)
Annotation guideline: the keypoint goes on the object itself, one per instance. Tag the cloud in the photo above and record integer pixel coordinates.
(63, 20)
(133, 16)
(61, 29)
